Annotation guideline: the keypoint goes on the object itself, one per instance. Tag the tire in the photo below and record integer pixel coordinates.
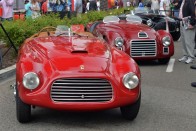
(23, 110)
(164, 60)
(130, 112)
(176, 35)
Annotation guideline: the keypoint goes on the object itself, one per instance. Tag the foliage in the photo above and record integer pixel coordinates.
(19, 30)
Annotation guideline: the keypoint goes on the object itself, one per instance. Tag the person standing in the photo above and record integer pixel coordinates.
(78, 7)
(155, 5)
(28, 12)
(35, 7)
(92, 5)
(177, 4)
(164, 7)
(7, 8)
(188, 30)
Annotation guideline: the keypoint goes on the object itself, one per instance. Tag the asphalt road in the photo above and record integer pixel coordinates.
(168, 104)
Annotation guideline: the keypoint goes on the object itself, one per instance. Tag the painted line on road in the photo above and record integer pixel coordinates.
(170, 65)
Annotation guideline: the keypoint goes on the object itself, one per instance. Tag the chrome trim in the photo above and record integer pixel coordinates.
(81, 90)
(144, 33)
(142, 50)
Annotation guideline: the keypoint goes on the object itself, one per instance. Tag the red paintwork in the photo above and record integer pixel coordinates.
(129, 31)
(53, 58)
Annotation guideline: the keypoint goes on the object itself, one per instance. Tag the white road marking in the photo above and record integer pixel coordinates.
(170, 65)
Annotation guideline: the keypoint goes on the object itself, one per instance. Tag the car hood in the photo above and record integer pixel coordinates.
(131, 30)
(129, 26)
(74, 53)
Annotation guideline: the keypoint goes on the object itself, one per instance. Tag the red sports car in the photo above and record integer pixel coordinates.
(127, 33)
(77, 72)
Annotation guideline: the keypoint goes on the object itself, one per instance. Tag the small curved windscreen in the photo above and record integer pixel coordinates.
(63, 30)
(133, 18)
(140, 10)
(109, 19)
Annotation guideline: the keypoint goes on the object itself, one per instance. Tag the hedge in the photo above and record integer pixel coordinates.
(19, 30)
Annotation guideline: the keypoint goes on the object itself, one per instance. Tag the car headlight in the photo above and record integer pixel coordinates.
(166, 41)
(130, 80)
(31, 80)
(149, 22)
(119, 42)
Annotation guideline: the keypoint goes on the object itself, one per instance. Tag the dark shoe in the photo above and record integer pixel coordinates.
(193, 66)
(193, 84)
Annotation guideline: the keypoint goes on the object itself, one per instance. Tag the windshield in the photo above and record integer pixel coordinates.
(140, 10)
(109, 19)
(133, 18)
(63, 30)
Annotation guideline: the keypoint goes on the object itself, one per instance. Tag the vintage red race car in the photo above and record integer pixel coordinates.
(127, 33)
(63, 70)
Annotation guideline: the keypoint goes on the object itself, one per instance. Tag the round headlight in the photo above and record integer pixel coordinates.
(31, 80)
(149, 22)
(166, 41)
(130, 80)
(119, 42)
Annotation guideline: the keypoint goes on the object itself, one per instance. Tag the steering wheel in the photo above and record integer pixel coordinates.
(47, 29)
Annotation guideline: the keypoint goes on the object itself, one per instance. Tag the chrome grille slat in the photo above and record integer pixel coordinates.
(60, 97)
(81, 83)
(80, 100)
(70, 90)
(81, 90)
(81, 93)
(79, 87)
(143, 48)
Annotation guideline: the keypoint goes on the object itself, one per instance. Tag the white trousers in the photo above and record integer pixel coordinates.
(188, 41)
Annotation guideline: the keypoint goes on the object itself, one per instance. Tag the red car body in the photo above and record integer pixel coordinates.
(76, 73)
(140, 41)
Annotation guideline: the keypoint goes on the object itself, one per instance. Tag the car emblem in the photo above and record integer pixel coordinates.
(82, 96)
(82, 67)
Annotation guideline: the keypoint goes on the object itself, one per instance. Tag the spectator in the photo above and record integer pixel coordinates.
(7, 8)
(45, 7)
(60, 5)
(155, 5)
(119, 4)
(134, 3)
(35, 9)
(165, 7)
(176, 4)
(92, 5)
(78, 7)
(140, 4)
(98, 5)
(84, 6)
(87, 6)
(28, 12)
(188, 30)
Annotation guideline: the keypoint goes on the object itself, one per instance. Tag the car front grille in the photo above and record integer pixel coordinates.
(81, 90)
(143, 48)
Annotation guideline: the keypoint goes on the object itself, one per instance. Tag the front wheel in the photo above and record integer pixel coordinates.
(23, 110)
(164, 60)
(130, 111)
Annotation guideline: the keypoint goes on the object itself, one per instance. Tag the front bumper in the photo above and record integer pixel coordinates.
(42, 97)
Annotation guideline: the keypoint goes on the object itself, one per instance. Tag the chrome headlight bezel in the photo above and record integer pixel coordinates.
(149, 22)
(31, 80)
(130, 80)
(166, 41)
(119, 42)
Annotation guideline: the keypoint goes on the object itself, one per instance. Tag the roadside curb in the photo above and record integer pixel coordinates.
(7, 72)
